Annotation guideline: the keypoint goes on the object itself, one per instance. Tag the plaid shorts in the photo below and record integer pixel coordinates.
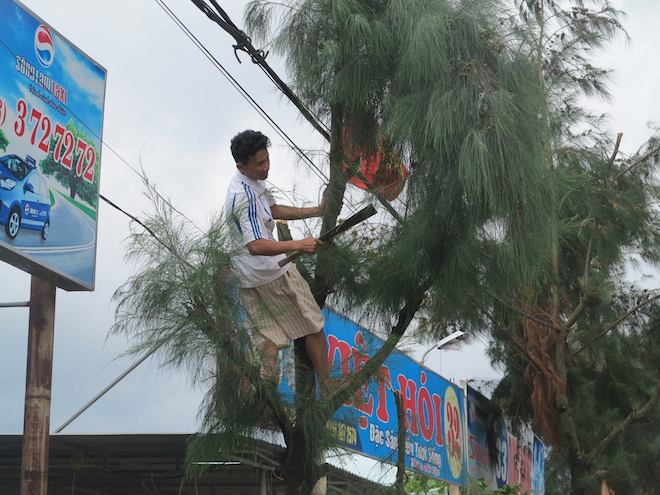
(283, 309)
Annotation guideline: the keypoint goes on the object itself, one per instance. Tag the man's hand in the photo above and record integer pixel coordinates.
(309, 245)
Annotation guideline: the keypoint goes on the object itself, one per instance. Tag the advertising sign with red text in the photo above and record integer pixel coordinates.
(514, 459)
(434, 407)
(51, 122)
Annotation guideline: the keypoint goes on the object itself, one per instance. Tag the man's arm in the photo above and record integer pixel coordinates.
(281, 212)
(268, 247)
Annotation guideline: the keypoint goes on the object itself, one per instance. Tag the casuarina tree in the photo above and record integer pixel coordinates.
(447, 85)
(570, 341)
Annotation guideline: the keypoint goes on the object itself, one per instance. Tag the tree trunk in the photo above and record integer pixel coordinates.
(299, 472)
(334, 200)
(73, 186)
(301, 468)
(401, 445)
(578, 472)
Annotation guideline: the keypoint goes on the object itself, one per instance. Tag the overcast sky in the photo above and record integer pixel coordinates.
(168, 110)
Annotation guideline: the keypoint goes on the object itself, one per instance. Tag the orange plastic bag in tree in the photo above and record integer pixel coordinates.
(383, 169)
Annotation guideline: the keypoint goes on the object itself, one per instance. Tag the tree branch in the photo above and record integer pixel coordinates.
(517, 344)
(524, 314)
(370, 368)
(638, 162)
(619, 136)
(334, 200)
(521, 348)
(582, 305)
(633, 417)
(380, 198)
(575, 315)
(615, 324)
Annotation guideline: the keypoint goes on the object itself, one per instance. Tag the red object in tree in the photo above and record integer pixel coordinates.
(383, 170)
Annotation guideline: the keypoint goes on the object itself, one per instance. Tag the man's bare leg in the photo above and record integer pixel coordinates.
(317, 350)
(269, 368)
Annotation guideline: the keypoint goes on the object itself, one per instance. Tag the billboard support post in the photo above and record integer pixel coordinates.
(36, 425)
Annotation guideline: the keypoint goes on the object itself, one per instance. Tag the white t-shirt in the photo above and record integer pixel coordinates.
(248, 214)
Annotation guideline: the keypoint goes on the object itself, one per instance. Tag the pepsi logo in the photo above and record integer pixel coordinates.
(44, 47)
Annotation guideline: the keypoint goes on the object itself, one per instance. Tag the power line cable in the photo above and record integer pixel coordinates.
(227, 24)
(246, 95)
(243, 92)
(244, 43)
(122, 159)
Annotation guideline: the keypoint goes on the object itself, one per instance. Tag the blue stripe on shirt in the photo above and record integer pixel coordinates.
(252, 211)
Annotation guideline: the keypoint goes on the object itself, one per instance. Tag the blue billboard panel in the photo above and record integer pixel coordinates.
(538, 467)
(51, 122)
(367, 424)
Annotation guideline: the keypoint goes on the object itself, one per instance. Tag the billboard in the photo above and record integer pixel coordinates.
(434, 407)
(516, 459)
(51, 123)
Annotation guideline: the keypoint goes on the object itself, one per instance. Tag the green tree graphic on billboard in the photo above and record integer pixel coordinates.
(4, 142)
(68, 177)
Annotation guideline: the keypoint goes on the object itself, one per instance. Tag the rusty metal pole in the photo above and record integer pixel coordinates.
(36, 422)
(401, 445)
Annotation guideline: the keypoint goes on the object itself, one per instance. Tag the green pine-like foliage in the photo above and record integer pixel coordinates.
(507, 200)
(605, 218)
(462, 103)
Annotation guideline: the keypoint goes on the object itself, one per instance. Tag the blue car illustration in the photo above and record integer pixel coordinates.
(24, 196)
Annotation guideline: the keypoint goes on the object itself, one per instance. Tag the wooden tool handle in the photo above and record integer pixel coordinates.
(350, 222)
(290, 258)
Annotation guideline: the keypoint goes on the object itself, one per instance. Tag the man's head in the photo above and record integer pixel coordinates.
(250, 151)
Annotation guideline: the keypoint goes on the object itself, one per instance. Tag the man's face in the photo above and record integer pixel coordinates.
(257, 166)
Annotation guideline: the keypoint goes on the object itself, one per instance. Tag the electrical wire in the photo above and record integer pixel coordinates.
(258, 56)
(243, 92)
(229, 26)
(244, 43)
(253, 103)
(122, 159)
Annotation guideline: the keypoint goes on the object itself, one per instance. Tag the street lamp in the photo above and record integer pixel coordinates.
(445, 342)
(458, 335)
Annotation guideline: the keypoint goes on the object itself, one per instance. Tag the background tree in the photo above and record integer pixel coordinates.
(573, 329)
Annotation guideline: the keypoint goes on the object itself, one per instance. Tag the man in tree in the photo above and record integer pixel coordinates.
(277, 299)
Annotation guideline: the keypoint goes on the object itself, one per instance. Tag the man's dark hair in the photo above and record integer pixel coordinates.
(247, 143)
